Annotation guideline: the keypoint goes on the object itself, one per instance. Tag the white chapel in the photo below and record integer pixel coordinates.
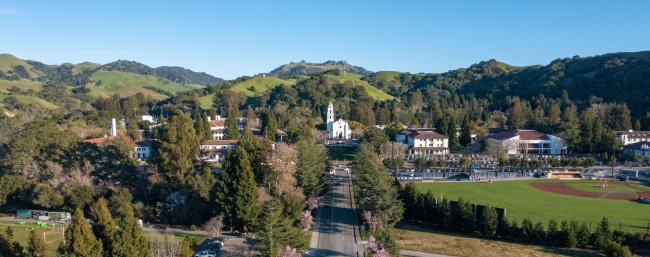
(339, 129)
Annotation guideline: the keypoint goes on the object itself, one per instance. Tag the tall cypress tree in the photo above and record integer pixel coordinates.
(465, 133)
(80, 240)
(180, 146)
(236, 192)
(310, 168)
(270, 125)
(277, 230)
(232, 126)
(129, 239)
(37, 246)
(451, 133)
(105, 226)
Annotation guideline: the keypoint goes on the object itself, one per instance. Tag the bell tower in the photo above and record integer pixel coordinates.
(330, 113)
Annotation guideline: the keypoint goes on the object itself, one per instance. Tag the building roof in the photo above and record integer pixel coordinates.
(217, 123)
(430, 148)
(492, 131)
(523, 135)
(104, 140)
(219, 142)
(427, 134)
(143, 143)
(643, 145)
(634, 134)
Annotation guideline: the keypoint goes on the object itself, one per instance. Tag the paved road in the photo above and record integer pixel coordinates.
(334, 230)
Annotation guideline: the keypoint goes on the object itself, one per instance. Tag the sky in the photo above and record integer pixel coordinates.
(229, 39)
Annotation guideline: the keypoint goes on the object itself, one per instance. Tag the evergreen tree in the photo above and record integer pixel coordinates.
(188, 247)
(277, 230)
(37, 246)
(105, 226)
(453, 137)
(488, 223)
(269, 125)
(232, 126)
(237, 191)
(129, 239)
(80, 240)
(9, 247)
(310, 168)
(465, 133)
(553, 237)
(180, 146)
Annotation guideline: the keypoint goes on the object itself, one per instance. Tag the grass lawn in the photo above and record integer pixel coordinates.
(522, 200)
(415, 237)
(341, 153)
(594, 186)
(53, 235)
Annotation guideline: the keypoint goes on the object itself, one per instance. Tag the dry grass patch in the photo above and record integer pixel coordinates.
(413, 237)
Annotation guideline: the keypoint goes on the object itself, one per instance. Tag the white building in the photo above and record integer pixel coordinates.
(215, 150)
(337, 129)
(142, 149)
(424, 143)
(527, 142)
(631, 136)
(148, 118)
(641, 148)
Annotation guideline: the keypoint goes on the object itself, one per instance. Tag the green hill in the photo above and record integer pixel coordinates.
(374, 92)
(31, 100)
(303, 68)
(127, 83)
(23, 84)
(260, 84)
(10, 64)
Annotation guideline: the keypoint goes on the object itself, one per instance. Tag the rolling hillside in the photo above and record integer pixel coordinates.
(31, 100)
(260, 84)
(303, 68)
(128, 83)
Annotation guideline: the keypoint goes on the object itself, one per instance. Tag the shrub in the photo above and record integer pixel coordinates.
(613, 249)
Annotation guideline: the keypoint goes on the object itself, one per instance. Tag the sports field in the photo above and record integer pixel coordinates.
(53, 235)
(523, 200)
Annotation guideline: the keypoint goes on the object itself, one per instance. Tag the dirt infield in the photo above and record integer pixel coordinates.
(562, 188)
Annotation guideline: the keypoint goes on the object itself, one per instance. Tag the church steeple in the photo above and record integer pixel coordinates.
(330, 113)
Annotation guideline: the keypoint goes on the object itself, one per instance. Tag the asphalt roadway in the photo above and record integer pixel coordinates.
(335, 221)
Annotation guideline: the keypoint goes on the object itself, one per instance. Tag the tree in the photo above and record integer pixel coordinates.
(488, 223)
(269, 124)
(165, 246)
(567, 235)
(180, 146)
(277, 230)
(213, 226)
(105, 226)
(465, 133)
(129, 239)
(375, 137)
(232, 126)
(80, 240)
(281, 180)
(237, 191)
(464, 162)
(310, 168)
(37, 246)
(188, 247)
(9, 247)
(453, 137)
(445, 213)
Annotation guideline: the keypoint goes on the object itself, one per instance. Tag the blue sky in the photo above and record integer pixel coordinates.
(234, 38)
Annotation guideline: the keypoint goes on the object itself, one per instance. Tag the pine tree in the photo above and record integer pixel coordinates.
(489, 222)
(80, 240)
(453, 137)
(270, 125)
(37, 246)
(310, 168)
(444, 211)
(180, 146)
(203, 128)
(105, 226)
(465, 133)
(277, 230)
(232, 126)
(237, 191)
(129, 239)
(9, 247)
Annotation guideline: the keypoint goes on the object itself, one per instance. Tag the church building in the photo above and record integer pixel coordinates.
(337, 129)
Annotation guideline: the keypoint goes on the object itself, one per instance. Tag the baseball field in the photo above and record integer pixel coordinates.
(541, 200)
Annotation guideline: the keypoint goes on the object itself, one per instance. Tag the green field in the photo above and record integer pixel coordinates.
(594, 186)
(31, 100)
(126, 84)
(205, 102)
(260, 84)
(53, 235)
(522, 200)
(23, 84)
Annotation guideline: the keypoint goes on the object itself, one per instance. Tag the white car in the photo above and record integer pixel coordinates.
(204, 253)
